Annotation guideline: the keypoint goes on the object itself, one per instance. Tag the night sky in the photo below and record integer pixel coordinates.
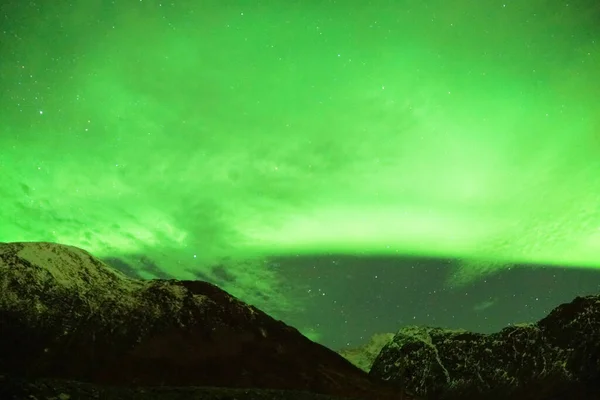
(350, 167)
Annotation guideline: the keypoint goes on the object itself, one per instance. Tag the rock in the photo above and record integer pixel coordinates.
(66, 315)
(12, 388)
(556, 358)
(364, 356)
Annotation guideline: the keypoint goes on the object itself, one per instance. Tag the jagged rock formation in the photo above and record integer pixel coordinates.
(65, 314)
(556, 358)
(364, 356)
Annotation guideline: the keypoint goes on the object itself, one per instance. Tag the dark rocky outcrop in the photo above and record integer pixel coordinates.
(66, 315)
(555, 358)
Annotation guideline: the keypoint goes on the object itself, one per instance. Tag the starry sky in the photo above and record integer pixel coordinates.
(349, 167)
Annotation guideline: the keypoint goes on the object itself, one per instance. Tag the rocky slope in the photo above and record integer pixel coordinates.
(65, 314)
(556, 358)
(73, 328)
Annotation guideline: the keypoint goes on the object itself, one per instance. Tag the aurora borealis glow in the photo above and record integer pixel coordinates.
(196, 134)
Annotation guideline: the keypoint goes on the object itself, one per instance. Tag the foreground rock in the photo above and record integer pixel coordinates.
(13, 388)
(65, 314)
(555, 358)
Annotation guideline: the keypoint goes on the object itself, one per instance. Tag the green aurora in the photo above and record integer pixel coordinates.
(202, 133)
